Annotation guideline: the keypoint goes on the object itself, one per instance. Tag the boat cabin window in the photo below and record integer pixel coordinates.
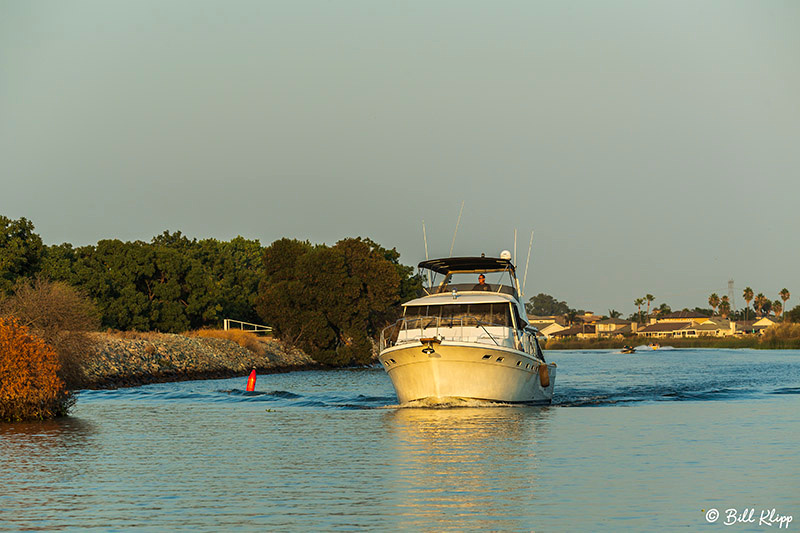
(496, 314)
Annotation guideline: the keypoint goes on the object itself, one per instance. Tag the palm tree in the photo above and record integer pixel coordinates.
(649, 298)
(638, 303)
(758, 304)
(713, 301)
(777, 308)
(571, 315)
(784, 296)
(725, 307)
(748, 297)
(613, 313)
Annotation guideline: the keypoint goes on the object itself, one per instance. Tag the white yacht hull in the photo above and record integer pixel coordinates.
(463, 370)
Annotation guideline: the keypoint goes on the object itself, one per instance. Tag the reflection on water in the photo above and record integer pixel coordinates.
(464, 467)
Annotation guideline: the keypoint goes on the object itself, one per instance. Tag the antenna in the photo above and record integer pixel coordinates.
(425, 238)
(527, 262)
(515, 248)
(456, 232)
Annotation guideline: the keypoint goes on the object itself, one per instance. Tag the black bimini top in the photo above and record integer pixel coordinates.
(467, 264)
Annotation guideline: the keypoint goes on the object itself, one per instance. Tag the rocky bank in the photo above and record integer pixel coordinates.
(131, 359)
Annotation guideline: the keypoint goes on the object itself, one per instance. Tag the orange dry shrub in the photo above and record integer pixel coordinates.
(30, 388)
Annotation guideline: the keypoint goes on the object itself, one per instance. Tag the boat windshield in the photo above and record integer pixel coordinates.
(495, 314)
(501, 282)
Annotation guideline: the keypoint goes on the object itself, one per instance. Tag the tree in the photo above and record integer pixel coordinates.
(793, 315)
(329, 301)
(613, 313)
(777, 308)
(649, 298)
(662, 310)
(747, 294)
(759, 303)
(713, 301)
(638, 302)
(545, 305)
(570, 316)
(30, 388)
(21, 251)
(61, 316)
(785, 294)
(725, 307)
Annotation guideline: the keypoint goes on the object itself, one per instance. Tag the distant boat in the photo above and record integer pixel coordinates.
(654, 345)
(628, 349)
(468, 341)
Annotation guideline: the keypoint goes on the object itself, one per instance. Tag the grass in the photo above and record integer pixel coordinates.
(245, 339)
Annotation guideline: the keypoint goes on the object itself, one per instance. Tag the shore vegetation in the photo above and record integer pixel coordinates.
(30, 388)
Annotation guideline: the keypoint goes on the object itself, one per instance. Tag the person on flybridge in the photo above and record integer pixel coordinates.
(481, 285)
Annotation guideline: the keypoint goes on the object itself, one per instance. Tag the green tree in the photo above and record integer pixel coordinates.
(613, 313)
(21, 251)
(662, 310)
(329, 301)
(747, 294)
(777, 308)
(714, 301)
(793, 315)
(545, 305)
(570, 316)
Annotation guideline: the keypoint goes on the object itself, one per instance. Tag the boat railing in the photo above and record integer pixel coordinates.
(462, 328)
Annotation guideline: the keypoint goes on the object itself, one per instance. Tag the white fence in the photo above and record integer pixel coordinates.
(245, 326)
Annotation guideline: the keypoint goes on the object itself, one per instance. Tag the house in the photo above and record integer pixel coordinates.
(661, 330)
(681, 316)
(582, 331)
(588, 318)
(754, 326)
(614, 327)
(688, 324)
(547, 325)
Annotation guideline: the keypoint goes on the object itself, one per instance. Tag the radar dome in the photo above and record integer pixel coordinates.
(505, 254)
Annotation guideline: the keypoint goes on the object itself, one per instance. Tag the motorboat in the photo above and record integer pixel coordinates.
(628, 349)
(466, 340)
(654, 345)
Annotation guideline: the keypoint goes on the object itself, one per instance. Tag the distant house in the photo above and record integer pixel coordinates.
(614, 327)
(547, 325)
(582, 331)
(757, 327)
(681, 316)
(589, 318)
(688, 324)
(664, 329)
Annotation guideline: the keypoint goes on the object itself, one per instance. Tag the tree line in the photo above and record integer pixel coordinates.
(328, 300)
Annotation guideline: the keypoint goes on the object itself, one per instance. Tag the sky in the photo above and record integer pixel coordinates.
(652, 147)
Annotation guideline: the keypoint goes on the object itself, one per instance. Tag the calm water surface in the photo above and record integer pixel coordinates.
(644, 442)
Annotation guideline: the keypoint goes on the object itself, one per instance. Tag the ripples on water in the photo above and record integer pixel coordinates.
(638, 442)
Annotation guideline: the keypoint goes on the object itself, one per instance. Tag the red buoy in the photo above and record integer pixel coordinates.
(251, 381)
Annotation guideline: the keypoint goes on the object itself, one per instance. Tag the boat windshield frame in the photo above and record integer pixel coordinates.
(467, 265)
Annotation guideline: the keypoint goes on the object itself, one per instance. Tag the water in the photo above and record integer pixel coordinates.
(644, 442)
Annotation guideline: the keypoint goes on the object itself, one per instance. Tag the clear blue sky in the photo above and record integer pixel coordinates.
(652, 146)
